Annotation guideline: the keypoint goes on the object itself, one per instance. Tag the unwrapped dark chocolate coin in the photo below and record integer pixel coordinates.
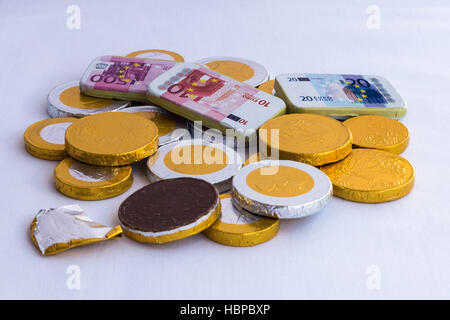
(169, 210)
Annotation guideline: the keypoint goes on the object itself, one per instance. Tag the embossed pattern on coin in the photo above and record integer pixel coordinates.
(378, 132)
(87, 182)
(368, 175)
(286, 182)
(112, 139)
(308, 138)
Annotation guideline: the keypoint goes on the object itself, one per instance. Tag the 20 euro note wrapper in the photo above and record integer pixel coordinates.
(55, 230)
(121, 77)
(339, 95)
(200, 94)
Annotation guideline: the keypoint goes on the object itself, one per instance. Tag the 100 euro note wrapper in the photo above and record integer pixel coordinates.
(121, 78)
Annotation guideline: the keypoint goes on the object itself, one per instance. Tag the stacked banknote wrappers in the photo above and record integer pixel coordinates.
(228, 152)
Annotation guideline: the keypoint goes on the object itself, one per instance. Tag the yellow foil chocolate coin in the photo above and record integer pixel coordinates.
(112, 139)
(256, 157)
(283, 189)
(369, 175)
(156, 54)
(243, 70)
(239, 143)
(171, 128)
(378, 132)
(295, 182)
(66, 100)
(86, 182)
(215, 163)
(309, 138)
(240, 228)
(268, 87)
(253, 158)
(45, 139)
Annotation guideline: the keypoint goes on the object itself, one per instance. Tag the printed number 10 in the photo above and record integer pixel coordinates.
(177, 88)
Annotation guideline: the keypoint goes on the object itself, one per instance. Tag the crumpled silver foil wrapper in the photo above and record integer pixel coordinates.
(57, 229)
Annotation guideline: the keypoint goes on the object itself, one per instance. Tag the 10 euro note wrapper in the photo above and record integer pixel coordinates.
(220, 102)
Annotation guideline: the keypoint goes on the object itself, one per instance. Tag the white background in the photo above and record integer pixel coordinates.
(328, 255)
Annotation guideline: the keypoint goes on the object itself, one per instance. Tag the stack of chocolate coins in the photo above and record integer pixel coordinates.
(222, 156)
(373, 172)
(96, 151)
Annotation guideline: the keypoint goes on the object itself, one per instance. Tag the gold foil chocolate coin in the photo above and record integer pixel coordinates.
(167, 122)
(309, 138)
(268, 87)
(240, 228)
(66, 100)
(378, 132)
(87, 182)
(45, 139)
(156, 54)
(112, 139)
(243, 70)
(369, 175)
(253, 158)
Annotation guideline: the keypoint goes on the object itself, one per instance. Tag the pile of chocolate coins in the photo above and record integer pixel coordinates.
(228, 152)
